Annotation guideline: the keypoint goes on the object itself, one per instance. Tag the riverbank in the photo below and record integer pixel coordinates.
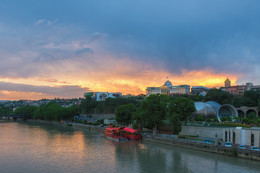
(212, 148)
(167, 140)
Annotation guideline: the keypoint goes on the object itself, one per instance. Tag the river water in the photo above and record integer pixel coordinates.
(32, 147)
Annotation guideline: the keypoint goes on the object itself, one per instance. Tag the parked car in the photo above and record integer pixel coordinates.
(241, 147)
(255, 148)
(228, 144)
(207, 141)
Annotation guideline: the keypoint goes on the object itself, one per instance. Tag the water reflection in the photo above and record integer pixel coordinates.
(32, 147)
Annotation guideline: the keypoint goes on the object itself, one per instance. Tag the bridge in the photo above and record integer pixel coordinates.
(244, 111)
(13, 116)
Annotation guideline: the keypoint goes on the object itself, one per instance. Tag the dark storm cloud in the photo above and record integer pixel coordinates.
(193, 35)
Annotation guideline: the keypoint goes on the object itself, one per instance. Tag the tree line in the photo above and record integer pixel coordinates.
(51, 111)
(154, 110)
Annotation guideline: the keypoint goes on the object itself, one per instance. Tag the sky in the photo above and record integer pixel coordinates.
(53, 48)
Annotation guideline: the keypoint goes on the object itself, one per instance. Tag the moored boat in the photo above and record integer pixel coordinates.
(122, 133)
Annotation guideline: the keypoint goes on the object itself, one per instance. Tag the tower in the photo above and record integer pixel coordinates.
(227, 83)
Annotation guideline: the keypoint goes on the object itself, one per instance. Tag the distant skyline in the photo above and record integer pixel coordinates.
(62, 49)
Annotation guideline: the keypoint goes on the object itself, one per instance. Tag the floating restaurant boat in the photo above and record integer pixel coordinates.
(122, 133)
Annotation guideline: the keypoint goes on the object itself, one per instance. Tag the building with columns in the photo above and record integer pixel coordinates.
(169, 89)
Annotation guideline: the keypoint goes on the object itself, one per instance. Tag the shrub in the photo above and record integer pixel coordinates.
(245, 120)
(225, 119)
(200, 118)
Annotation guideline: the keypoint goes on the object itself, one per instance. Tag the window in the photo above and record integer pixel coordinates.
(234, 137)
(252, 139)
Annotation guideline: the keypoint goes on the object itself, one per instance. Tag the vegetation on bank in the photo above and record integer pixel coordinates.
(149, 112)
(154, 109)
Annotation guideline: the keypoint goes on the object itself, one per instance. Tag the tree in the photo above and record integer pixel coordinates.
(252, 116)
(73, 111)
(176, 123)
(124, 114)
(153, 110)
(88, 105)
(138, 117)
(5, 110)
(200, 118)
(251, 98)
(26, 110)
(219, 96)
(183, 107)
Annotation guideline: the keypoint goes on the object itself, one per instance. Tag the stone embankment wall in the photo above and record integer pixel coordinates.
(207, 132)
(101, 116)
(231, 151)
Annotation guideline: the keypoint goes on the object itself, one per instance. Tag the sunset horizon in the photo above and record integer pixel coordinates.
(62, 50)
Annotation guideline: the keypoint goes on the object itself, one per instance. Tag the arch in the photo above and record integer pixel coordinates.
(227, 110)
(249, 111)
(258, 114)
(241, 113)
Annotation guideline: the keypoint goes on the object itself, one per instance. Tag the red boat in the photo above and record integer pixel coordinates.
(122, 133)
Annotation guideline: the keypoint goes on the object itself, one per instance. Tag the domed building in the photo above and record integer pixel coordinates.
(168, 84)
(169, 89)
(212, 109)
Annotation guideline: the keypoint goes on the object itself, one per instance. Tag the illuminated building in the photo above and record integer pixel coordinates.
(168, 89)
(227, 83)
(238, 89)
(101, 96)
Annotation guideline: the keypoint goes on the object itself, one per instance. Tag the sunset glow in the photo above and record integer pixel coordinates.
(48, 54)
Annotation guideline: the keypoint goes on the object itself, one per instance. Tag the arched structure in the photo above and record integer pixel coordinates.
(213, 109)
(246, 110)
(227, 110)
(241, 114)
(249, 111)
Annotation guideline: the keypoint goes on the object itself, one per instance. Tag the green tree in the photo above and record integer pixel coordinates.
(251, 98)
(219, 96)
(124, 114)
(252, 116)
(138, 117)
(200, 118)
(5, 110)
(153, 110)
(176, 123)
(183, 107)
(26, 110)
(72, 111)
(88, 105)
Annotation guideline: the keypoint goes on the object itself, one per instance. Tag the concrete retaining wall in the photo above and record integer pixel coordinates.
(207, 132)
(230, 151)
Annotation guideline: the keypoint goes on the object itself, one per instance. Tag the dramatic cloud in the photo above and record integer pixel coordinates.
(125, 46)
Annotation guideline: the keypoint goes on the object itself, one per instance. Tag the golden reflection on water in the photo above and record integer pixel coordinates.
(28, 147)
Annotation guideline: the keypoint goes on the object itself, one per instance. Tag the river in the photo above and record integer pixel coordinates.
(34, 147)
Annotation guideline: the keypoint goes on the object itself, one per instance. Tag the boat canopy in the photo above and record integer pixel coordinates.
(127, 129)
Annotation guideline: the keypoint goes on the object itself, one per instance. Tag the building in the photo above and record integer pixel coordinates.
(238, 89)
(242, 136)
(101, 96)
(255, 88)
(212, 109)
(227, 83)
(199, 90)
(169, 89)
(236, 135)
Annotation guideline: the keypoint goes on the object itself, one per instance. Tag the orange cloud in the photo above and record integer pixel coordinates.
(108, 73)
(17, 95)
